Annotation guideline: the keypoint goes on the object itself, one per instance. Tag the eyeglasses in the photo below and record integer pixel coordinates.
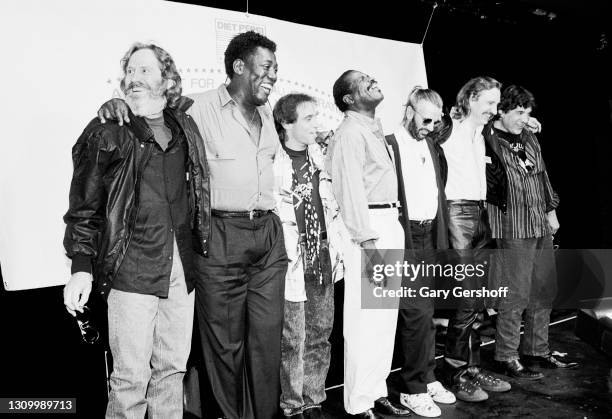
(427, 121)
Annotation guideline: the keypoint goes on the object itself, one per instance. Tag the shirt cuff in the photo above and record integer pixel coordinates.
(81, 263)
(365, 236)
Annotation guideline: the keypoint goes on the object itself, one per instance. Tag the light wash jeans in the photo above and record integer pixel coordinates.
(150, 340)
(305, 348)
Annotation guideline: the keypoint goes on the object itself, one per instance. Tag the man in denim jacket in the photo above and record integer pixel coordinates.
(312, 230)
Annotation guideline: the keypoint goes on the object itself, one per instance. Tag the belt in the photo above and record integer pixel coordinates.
(380, 205)
(240, 214)
(422, 222)
(473, 202)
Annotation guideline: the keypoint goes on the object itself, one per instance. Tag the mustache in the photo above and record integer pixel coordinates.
(135, 84)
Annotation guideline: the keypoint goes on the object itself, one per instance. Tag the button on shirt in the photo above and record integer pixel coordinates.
(419, 176)
(465, 154)
(241, 173)
(163, 214)
(362, 171)
(530, 194)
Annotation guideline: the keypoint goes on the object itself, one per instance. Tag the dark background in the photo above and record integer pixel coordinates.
(558, 49)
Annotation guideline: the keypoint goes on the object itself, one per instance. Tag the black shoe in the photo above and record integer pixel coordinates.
(313, 412)
(368, 414)
(515, 369)
(550, 361)
(385, 407)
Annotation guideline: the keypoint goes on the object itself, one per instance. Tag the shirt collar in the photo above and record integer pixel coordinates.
(402, 132)
(372, 124)
(225, 98)
(224, 95)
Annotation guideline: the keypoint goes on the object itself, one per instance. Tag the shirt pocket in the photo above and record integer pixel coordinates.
(220, 149)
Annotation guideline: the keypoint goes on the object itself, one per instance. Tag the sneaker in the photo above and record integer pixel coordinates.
(469, 392)
(489, 382)
(422, 404)
(439, 394)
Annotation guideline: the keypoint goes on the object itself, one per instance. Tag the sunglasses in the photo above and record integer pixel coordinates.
(427, 121)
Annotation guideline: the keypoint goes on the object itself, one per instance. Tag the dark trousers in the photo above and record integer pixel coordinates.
(415, 327)
(468, 229)
(239, 304)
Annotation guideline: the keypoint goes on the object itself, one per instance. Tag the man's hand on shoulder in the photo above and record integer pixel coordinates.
(534, 125)
(76, 292)
(114, 109)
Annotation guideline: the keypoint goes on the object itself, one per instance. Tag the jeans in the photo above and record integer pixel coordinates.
(305, 348)
(468, 229)
(150, 341)
(415, 328)
(528, 269)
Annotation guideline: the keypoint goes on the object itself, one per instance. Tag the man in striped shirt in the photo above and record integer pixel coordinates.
(524, 233)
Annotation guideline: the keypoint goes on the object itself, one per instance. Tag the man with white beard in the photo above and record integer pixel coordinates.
(136, 191)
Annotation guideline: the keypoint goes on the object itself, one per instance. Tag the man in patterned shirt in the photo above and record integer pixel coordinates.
(524, 232)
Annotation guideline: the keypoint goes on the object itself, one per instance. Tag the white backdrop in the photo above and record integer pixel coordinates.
(61, 62)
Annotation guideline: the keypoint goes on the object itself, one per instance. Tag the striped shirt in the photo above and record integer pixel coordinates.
(530, 194)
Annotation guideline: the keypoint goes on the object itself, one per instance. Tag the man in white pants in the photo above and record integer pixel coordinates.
(364, 183)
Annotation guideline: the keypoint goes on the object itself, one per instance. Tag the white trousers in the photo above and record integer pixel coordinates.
(369, 334)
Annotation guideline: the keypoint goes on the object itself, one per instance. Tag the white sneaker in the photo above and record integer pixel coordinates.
(422, 404)
(439, 394)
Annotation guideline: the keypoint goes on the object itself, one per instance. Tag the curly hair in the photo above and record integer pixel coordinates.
(514, 96)
(472, 90)
(285, 111)
(242, 46)
(166, 65)
(342, 87)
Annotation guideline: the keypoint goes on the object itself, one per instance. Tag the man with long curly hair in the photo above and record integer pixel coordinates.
(138, 203)
(240, 287)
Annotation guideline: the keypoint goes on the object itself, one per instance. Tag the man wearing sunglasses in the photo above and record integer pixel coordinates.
(421, 171)
(525, 232)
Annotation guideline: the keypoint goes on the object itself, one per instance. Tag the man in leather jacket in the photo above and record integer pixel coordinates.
(139, 206)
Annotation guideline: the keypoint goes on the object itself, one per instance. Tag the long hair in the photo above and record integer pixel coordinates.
(471, 90)
(418, 94)
(166, 65)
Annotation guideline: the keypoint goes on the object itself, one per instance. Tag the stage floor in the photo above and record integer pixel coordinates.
(42, 356)
(585, 392)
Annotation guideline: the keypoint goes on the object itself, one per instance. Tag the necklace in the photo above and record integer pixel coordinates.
(249, 121)
(252, 117)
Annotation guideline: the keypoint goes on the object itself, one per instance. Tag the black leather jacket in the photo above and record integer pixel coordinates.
(105, 189)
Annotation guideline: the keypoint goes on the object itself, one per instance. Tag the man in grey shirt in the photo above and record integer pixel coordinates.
(241, 281)
(364, 183)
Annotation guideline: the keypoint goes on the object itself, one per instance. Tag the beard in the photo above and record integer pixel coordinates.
(152, 102)
(414, 131)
